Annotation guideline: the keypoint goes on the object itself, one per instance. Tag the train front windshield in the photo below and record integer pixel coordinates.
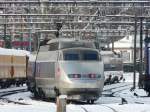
(81, 55)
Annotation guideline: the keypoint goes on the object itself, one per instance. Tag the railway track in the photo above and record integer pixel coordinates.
(114, 110)
(110, 90)
(114, 86)
(97, 106)
(84, 109)
(11, 91)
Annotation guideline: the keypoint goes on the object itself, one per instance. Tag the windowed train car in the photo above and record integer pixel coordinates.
(70, 67)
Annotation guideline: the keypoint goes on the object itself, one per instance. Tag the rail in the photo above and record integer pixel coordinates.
(11, 91)
(110, 90)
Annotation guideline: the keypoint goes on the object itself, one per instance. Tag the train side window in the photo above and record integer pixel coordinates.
(90, 56)
(44, 48)
(53, 46)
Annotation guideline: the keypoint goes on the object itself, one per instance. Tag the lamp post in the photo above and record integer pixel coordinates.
(58, 27)
(135, 38)
(141, 54)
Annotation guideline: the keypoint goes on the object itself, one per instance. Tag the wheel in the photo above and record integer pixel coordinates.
(2, 86)
(69, 102)
(35, 92)
(92, 101)
(17, 84)
(41, 93)
(88, 101)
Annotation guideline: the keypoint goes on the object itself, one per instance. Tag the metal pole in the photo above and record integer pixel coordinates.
(112, 41)
(141, 52)
(5, 35)
(135, 37)
(5, 26)
(21, 38)
(146, 50)
(30, 32)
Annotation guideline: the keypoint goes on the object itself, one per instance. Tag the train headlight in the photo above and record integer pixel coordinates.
(74, 75)
(94, 76)
(98, 75)
(91, 76)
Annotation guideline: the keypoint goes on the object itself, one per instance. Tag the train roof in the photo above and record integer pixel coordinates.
(67, 40)
(14, 52)
(106, 52)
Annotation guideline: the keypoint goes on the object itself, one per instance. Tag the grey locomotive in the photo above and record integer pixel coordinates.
(67, 66)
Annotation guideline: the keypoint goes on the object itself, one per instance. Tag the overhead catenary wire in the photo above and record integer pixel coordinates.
(76, 2)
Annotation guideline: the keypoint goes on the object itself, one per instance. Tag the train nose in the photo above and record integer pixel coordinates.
(81, 74)
(83, 81)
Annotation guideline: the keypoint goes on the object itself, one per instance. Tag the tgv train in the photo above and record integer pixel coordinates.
(67, 66)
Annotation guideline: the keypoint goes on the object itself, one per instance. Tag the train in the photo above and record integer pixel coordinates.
(144, 78)
(67, 66)
(113, 67)
(13, 67)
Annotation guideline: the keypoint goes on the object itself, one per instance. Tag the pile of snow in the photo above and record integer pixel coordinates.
(14, 52)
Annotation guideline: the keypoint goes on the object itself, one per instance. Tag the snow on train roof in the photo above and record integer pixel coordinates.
(106, 52)
(32, 57)
(66, 40)
(15, 52)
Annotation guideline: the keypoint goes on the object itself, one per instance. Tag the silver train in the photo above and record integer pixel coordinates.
(67, 66)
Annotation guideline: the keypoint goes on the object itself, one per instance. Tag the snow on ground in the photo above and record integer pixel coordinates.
(129, 77)
(102, 105)
(41, 106)
(138, 103)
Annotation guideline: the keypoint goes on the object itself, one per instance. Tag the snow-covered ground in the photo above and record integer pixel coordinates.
(135, 103)
(129, 77)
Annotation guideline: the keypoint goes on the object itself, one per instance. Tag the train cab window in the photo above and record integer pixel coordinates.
(53, 46)
(81, 55)
(71, 56)
(44, 48)
(90, 56)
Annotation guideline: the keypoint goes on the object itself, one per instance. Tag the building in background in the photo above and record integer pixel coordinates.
(125, 47)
